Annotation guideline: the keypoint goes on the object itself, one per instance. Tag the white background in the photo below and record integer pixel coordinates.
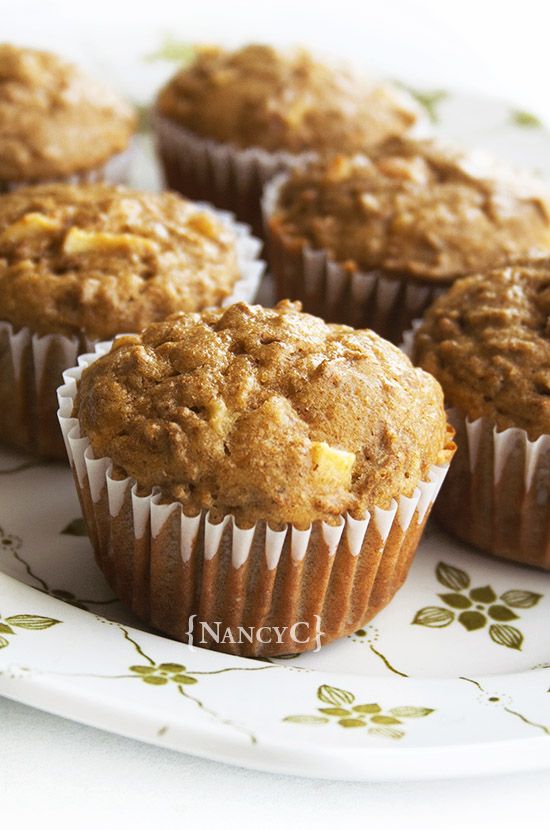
(56, 773)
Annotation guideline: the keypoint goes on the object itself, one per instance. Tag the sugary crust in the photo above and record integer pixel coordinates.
(268, 414)
(54, 119)
(259, 97)
(422, 208)
(101, 260)
(487, 341)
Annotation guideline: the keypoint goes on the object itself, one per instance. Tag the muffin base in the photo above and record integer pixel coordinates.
(115, 171)
(32, 366)
(172, 570)
(386, 303)
(223, 174)
(497, 494)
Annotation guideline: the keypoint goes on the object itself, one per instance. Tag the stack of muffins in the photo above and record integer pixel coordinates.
(254, 467)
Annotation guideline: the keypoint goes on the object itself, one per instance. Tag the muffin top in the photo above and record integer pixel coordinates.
(268, 414)
(259, 97)
(423, 208)
(54, 119)
(487, 341)
(99, 260)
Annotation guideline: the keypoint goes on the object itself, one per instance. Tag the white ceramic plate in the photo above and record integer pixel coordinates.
(420, 693)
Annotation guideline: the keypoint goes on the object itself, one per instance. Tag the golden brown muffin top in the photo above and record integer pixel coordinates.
(54, 119)
(259, 97)
(101, 260)
(423, 208)
(268, 414)
(487, 341)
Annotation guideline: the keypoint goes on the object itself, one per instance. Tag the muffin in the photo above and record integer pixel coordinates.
(254, 467)
(58, 124)
(372, 241)
(82, 263)
(487, 342)
(231, 119)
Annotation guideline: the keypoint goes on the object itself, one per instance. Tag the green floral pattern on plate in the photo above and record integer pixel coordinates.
(348, 714)
(477, 608)
(28, 622)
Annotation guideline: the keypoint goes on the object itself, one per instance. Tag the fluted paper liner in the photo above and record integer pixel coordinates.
(31, 365)
(338, 293)
(497, 493)
(115, 171)
(221, 173)
(168, 567)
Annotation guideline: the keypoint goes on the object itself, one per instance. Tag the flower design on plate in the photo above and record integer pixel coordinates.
(477, 608)
(343, 710)
(30, 622)
(163, 673)
(525, 119)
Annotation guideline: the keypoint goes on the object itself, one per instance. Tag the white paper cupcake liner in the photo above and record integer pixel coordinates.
(115, 171)
(31, 365)
(362, 299)
(170, 568)
(223, 174)
(497, 493)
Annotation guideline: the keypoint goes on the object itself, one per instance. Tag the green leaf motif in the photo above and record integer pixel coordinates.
(177, 51)
(411, 711)
(154, 680)
(4, 642)
(387, 719)
(75, 528)
(142, 669)
(185, 680)
(501, 614)
(429, 99)
(351, 723)
(310, 720)
(506, 635)
(31, 622)
(456, 600)
(335, 711)
(520, 599)
(387, 732)
(172, 667)
(472, 620)
(484, 594)
(367, 708)
(452, 577)
(434, 617)
(522, 118)
(5, 629)
(335, 696)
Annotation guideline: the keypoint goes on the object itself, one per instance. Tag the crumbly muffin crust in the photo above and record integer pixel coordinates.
(54, 119)
(268, 414)
(487, 341)
(423, 208)
(259, 97)
(101, 260)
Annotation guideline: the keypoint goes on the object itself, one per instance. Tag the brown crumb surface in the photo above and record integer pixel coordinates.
(487, 341)
(423, 208)
(268, 414)
(101, 260)
(54, 119)
(260, 97)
